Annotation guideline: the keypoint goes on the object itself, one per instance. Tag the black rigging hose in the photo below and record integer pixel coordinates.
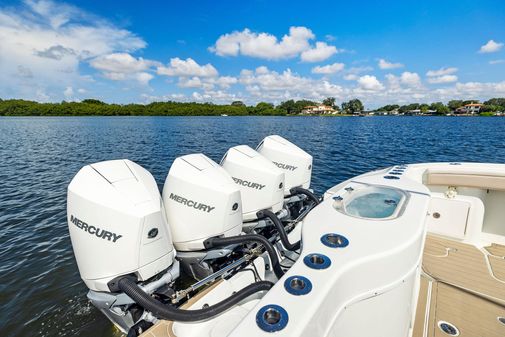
(309, 194)
(241, 239)
(280, 228)
(168, 312)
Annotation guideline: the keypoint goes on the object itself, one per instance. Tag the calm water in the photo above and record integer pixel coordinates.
(41, 293)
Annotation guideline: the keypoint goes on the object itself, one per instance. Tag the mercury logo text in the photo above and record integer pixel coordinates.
(248, 183)
(191, 203)
(285, 166)
(93, 230)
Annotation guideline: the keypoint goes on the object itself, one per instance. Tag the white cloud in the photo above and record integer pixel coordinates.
(350, 77)
(123, 66)
(264, 45)
(328, 69)
(369, 82)
(143, 77)
(121, 63)
(44, 43)
(441, 71)
(319, 53)
(188, 67)
(491, 47)
(275, 86)
(383, 64)
(443, 79)
(268, 46)
(496, 61)
(410, 79)
(68, 92)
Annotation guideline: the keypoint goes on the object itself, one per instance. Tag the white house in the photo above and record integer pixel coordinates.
(320, 109)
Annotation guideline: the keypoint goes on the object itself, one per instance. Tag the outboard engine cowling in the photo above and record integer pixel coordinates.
(261, 183)
(117, 223)
(295, 162)
(201, 201)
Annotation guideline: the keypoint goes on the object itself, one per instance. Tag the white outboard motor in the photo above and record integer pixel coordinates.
(296, 163)
(117, 224)
(261, 183)
(201, 201)
(118, 229)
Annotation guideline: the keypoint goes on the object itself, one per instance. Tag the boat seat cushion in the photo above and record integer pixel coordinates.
(441, 178)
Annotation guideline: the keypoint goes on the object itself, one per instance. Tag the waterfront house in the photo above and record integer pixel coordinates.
(469, 109)
(320, 109)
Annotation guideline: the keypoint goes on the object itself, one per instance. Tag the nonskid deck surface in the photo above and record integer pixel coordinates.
(462, 285)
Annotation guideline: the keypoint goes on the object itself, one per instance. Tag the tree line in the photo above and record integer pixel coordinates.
(94, 107)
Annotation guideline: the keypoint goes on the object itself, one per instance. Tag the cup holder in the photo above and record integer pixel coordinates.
(317, 261)
(272, 318)
(298, 285)
(448, 328)
(334, 240)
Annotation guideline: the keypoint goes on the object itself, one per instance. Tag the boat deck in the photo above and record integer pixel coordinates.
(461, 284)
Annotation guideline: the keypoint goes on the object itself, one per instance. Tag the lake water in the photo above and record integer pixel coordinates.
(41, 293)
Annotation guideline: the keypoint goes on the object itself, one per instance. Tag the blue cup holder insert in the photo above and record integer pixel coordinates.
(272, 318)
(298, 285)
(334, 240)
(317, 261)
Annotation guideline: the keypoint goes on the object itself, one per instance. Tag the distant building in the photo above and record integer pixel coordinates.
(320, 109)
(469, 109)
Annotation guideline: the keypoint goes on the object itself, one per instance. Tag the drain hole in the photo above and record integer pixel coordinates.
(297, 284)
(334, 239)
(448, 328)
(316, 259)
(272, 316)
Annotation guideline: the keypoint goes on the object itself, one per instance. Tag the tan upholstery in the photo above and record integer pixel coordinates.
(466, 180)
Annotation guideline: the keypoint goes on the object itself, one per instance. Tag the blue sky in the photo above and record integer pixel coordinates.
(220, 51)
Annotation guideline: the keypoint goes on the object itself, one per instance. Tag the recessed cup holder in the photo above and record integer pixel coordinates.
(271, 318)
(334, 240)
(448, 328)
(317, 261)
(298, 285)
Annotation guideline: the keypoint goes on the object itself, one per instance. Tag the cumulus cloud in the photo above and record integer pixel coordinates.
(410, 79)
(442, 71)
(264, 45)
(123, 66)
(369, 82)
(328, 69)
(383, 64)
(268, 46)
(47, 41)
(442, 75)
(319, 53)
(443, 79)
(265, 84)
(188, 67)
(491, 47)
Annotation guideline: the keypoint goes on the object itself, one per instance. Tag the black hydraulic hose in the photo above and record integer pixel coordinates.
(309, 194)
(280, 228)
(160, 310)
(241, 239)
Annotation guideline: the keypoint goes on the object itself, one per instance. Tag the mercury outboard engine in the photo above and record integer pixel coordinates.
(118, 228)
(296, 163)
(261, 183)
(201, 201)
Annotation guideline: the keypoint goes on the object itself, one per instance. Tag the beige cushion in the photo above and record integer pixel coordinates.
(466, 180)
